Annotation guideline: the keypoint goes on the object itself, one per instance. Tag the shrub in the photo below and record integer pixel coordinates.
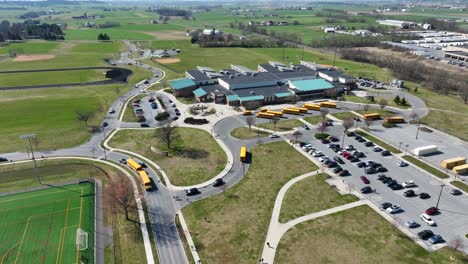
(168, 90)
(388, 125)
(195, 121)
(321, 135)
(162, 116)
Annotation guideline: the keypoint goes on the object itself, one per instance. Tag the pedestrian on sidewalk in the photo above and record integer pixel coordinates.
(268, 244)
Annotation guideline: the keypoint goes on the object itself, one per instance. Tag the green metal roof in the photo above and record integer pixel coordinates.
(312, 85)
(232, 97)
(182, 83)
(283, 94)
(252, 98)
(199, 92)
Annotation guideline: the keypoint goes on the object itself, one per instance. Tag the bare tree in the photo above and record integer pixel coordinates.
(456, 244)
(322, 128)
(84, 116)
(366, 107)
(119, 196)
(347, 124)
(167, 133)
(250, 120)
(368, 122)
(383, 103)
(324, 112)
(36, 141)
(463, 90)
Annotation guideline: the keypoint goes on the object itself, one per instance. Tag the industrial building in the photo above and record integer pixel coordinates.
(457, 53)
(272, 82)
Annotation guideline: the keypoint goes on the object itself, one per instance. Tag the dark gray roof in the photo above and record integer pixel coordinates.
(269, 68)
(240, 78)
(215, 88)
(266, 91)
(458, 52)
(198, 75)
(335, 73)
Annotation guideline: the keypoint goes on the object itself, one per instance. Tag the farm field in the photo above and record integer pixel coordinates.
(46, 221)
(237, 224)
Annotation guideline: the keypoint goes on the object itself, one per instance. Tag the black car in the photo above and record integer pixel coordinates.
(366, 189)
(177, 113)
(370, 170)
(336, 149)
(396, 187)
(332, 164)
(334, 139)
(357, 137)
(105, 124)
(381, 169)
(391, 182)
(175, 118)
(123, 161)
(385, 205)
(144, 125)
(385, 153)
(424, 196)
(350, 133)
(425, 234)
(338, 159)
(374, 165)
(337, 169)
(409, 193)
(361, 140)
(381, 177)
(368, 144)
(218, 182)
(192, 191)
(359, 154)
(354, 159)
(387, 179)
(361, 164)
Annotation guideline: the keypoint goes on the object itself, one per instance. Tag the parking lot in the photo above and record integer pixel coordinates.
(452, 221)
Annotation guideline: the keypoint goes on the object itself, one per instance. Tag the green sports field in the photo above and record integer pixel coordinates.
(41, 226)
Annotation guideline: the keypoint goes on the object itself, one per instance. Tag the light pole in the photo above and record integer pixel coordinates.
(417, 131)
(406, 149)
(440, 194)
(29, 137)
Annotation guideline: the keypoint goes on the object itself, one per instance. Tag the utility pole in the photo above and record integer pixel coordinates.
(406, 149)
(440, 194)
(29, 137)
(417, 131)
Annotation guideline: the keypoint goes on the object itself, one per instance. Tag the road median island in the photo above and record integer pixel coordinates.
(194, 157)
(378, 142)
(237, 219)
(424, 166)
(248, 133)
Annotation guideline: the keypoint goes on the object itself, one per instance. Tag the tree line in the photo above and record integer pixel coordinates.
(436, 79)
(29, 29)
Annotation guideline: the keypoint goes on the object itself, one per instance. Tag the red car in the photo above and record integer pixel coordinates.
(365, 180)
(344, 154)
(432, 210)
(151, 99)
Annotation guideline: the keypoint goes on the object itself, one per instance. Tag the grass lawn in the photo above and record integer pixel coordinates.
(52, 77)
(378, 142)
(311, 195)
(447, 112)
(238, 218)
(96, 47)
(423, 165)
(357, 99)
(194, 158)
(114, 34)
(30, 47)
(128, 242)
(344, 115)
(358, 235)
(27, 231)
(460, 185)
(246, 133)
(51, 114)
(313, 120)
(282, 125)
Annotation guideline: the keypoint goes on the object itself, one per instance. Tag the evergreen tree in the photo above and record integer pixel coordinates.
(397, 100)
(403, 101)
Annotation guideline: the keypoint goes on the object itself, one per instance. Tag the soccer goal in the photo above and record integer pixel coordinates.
(81, 239)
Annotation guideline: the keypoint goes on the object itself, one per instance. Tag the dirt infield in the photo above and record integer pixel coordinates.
(33, 57)
(167, 61)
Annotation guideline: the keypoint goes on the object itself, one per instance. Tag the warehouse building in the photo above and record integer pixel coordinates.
(457, 53)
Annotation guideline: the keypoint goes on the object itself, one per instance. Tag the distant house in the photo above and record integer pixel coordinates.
(211, 32)
(329, 30)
